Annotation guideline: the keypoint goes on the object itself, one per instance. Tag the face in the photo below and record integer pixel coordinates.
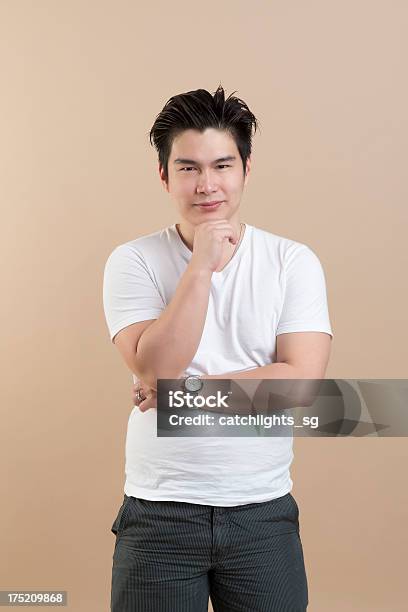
(204, 168)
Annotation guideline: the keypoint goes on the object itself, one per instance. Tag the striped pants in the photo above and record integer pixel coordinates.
(173, 556)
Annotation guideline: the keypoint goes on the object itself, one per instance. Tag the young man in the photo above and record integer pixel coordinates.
(214, 297)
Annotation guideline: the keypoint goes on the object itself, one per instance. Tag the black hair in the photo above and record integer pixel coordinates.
(200, 110)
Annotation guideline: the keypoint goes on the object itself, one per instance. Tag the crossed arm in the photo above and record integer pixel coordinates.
(299, 355)
(161, 348)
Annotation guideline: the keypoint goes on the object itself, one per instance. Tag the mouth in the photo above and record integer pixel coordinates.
(209, 205)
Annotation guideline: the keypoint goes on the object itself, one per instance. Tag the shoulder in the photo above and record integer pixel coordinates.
(286, 250)
(143, 248)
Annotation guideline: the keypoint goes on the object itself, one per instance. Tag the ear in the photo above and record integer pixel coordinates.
(162, 178)
(247, 170)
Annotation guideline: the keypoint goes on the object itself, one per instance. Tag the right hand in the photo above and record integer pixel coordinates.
(209, 240)
(149, 396)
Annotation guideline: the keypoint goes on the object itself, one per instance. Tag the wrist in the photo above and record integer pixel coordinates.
(192, 383)
(199, 271)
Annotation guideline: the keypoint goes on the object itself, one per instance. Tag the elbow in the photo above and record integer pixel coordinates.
(151, 375)
(305, 401)
(306, 389)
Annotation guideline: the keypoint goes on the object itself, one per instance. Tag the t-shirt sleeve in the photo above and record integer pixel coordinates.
(129, 292)
(305, 301)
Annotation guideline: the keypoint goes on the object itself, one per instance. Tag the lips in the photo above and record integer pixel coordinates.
(210, 205)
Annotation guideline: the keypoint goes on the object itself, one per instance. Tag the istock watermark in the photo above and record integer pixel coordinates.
(283, 407)
(179, 399)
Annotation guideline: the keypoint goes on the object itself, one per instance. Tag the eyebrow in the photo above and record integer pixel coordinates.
(182, 160)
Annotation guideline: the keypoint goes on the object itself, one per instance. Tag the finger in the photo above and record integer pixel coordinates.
(139, 398)
(144, 406)
(149, 402)
(135, 397)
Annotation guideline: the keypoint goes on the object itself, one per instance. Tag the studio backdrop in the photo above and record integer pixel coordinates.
(82, 83)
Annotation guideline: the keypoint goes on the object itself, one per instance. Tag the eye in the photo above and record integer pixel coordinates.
(188, 168)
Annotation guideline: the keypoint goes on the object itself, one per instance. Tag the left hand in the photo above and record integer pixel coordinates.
(149, 395)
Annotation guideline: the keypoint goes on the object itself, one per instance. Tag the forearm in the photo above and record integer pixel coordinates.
(169, 344)
(270, 371)
(292, 389)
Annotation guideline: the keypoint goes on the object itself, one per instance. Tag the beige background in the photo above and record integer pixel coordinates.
(82, 82)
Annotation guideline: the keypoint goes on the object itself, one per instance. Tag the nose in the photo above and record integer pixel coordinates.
(206, 182)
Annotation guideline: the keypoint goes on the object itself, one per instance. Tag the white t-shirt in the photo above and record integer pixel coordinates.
(272, 285)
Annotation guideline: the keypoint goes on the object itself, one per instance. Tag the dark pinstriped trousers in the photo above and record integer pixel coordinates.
(172, 556)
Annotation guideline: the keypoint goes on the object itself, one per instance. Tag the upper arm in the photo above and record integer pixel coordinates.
(127, 339)
(131, 300)
(304, 334)
(305, 307)
(307, 351)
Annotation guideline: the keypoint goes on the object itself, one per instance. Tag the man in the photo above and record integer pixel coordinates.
(213, 297)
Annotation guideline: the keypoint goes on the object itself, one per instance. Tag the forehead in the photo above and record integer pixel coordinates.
(203, 146)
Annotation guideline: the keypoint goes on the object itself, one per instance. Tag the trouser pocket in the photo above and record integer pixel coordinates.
(119, 522)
